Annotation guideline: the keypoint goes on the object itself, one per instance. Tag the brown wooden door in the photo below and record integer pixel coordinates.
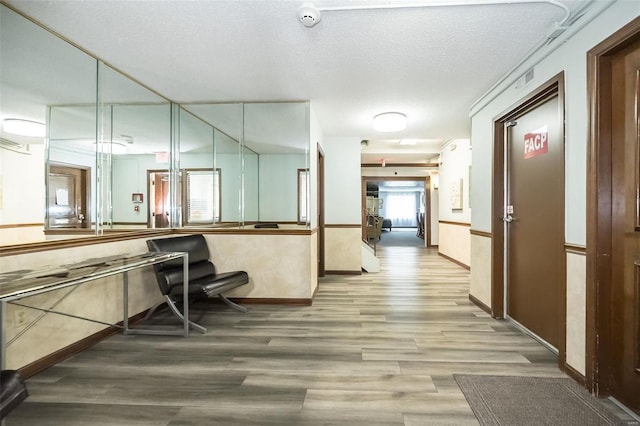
(625, 224)
(66, 207)
(535, 227)
(161, 200)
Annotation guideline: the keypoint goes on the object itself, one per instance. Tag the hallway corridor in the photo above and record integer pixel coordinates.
(375, 349)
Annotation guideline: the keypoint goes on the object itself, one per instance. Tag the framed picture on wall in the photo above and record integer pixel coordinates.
(456, 194)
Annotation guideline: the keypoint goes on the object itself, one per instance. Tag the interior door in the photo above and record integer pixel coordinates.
(161, 204)
(66, 207)
(534, 217)
(625, 223)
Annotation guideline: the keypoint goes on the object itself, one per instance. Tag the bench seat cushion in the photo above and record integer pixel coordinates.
(212, 285)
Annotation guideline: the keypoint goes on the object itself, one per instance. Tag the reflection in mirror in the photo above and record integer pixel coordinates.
(135, 135)
(279, 134)
(38, 71)
(250, 184)
(200, 190)
(226, 120)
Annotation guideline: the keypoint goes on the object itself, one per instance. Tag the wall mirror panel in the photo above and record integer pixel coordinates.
(279, 133)
(225, 120)
(271, 148)
(134, 140)
(109, 158)
(42, 78)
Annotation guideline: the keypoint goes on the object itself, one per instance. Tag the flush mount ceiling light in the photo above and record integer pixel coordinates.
(390, 122)
(114, 148)
(20, 127)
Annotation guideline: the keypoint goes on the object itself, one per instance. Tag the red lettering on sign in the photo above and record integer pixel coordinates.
(536, 143)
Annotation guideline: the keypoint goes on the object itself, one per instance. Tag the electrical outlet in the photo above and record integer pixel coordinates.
(20, 317)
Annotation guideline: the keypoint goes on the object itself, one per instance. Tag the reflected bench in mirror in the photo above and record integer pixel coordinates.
(204, 280)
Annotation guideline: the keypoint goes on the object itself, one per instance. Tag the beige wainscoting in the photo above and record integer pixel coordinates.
(576, 310)
(279, 266)
(480, 287)
(343, 248)
(21, 233)
(454, 241)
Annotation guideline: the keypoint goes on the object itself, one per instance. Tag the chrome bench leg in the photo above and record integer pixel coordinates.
(233, 305)
(177, 313)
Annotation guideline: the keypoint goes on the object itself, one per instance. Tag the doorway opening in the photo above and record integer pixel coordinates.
(68, 196)
(398, 209)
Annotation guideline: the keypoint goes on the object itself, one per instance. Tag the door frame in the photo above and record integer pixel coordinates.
(549, 89)
(427, 200)
(85, 173)
(321, 221)
(599, 217)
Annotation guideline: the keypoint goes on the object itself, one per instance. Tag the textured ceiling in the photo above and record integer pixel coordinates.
(429, 63)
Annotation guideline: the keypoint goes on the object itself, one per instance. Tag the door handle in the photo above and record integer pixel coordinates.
(81, 217)
(508, 218)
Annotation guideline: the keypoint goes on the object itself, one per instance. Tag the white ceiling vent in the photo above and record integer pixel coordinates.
(309, 15)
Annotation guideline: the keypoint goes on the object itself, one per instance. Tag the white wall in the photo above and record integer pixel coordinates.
(455, 159)
(454, 240)
(343, 184)
(435, 215)
(22, 190)
(343, 204)
(570, 57)
(315, 139)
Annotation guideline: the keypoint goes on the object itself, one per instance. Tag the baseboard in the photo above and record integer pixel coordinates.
(269, 301)
(574, 374)
(343, 272)
(457, 262)
(60, 355)
(480, 305)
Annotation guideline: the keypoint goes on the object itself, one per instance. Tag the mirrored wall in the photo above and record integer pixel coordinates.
(114, 155)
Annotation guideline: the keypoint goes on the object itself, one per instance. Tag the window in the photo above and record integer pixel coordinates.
(303, 191)
(202, 196)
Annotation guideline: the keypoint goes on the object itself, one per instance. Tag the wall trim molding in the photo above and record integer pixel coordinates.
(480, 233)
(267, 301)
(116, 235)
(479, 304)
(448, 222)
(457, 262)
(337, 272)
(20, 225)
(379, 165)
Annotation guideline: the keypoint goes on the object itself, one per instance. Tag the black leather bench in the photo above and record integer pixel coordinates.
(204, 280)
(12, 391)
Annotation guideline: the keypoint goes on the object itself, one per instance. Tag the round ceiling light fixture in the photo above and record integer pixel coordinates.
(390, 122)
(20, 127)
(309, 15)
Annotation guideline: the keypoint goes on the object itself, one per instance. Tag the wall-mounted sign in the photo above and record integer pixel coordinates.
(536, 143)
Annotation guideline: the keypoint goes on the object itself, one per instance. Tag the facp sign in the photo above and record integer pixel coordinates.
(536, 143)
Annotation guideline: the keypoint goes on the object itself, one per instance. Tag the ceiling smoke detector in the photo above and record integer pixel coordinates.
(309, 15)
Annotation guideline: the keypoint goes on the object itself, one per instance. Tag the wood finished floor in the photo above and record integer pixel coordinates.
(376, 349)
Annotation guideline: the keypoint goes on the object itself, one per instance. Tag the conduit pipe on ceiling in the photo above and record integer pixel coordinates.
(491, 93)
(567, 11)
